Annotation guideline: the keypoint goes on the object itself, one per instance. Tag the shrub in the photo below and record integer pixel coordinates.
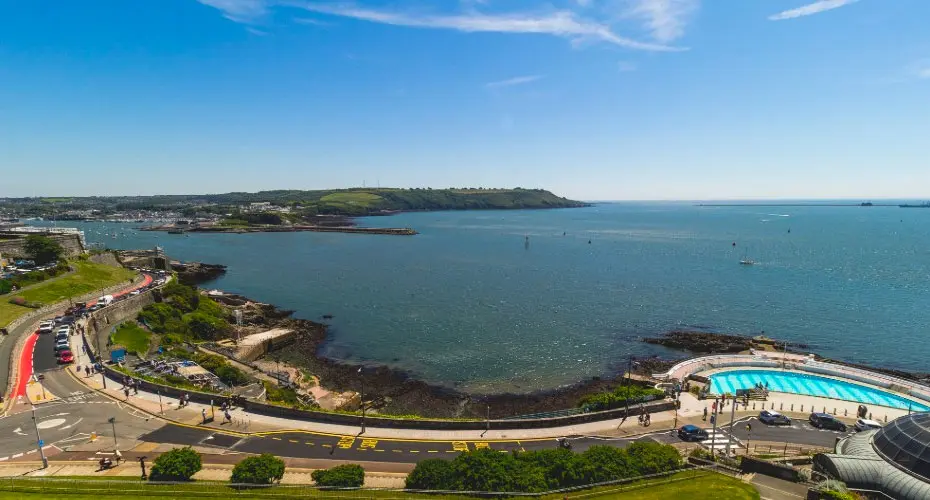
(619, 397)
(263, 469)
(341, 476)
(19, 301)
(432, 474)
(607, 464)
(653, 458)
(6, 286)
(490, 470)
(559, 466)
(179, 464)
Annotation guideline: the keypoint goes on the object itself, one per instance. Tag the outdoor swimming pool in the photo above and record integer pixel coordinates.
(808, 385)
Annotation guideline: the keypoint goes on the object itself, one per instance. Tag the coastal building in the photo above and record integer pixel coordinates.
(894, 460)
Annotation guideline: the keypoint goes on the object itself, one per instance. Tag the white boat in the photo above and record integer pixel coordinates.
(747, 262)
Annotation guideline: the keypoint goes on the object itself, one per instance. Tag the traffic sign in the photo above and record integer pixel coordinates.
(41, 443)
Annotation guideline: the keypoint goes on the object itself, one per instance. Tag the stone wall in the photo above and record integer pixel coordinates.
(13, 247)
(105, 258)
(102, 321)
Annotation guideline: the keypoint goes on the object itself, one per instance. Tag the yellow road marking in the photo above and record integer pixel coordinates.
(414, 451)
(368, 444)
(310, 443)
(399, 440)
(293, 440)
(346, 442)
(481, 445)
(276, 439)
(459, 446)
(379, 450)
(327, 446)
(398, 451)
(432, 451)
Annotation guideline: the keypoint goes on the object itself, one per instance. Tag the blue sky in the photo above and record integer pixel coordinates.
(593, 99)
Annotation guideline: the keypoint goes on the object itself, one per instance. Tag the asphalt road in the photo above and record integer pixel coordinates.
(799, 432)
(70, 420)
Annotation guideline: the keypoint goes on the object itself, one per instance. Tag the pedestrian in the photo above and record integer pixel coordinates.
(714, 407)
(119, 457)
(203, 413)
(135, 388)
(126, 392)
(87, 370)
(187, 399)
(713, 419)
(705, 415)
(227, 416)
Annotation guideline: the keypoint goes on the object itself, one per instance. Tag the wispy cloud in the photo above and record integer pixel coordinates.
(664, 19)
(510, 82)
(810, 9)
(920, 69)
(240, 11)
(311, 22)
(562, 23)
(256, 32)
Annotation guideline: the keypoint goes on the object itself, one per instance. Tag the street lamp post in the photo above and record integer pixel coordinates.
(39, 439)
(361, 399)
(112, 421)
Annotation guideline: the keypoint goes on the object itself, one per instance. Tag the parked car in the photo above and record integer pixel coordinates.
(692, 433)
(772, 417)
(65, 330)
(864, 424)
(46, 327)
(62, 345)
(826, 421)
(65, 357)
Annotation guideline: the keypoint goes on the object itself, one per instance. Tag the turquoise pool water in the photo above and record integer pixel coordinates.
(808, 385)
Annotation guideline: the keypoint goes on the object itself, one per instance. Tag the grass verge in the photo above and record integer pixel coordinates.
(696, 485)
(87, 277)
(133, 337)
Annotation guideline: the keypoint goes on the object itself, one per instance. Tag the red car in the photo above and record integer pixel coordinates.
(65, 357)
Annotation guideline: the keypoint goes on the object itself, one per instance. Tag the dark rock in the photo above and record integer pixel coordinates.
(197, 273)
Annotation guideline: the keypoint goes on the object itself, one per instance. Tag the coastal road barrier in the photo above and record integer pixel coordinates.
(271, 410)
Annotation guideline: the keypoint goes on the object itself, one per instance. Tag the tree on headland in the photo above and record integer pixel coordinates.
(42, 249)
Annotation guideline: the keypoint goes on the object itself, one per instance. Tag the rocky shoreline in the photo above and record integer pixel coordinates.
(702, 342)
(392, 391)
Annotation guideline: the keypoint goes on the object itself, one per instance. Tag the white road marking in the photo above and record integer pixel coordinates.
(72, 425)
(4, 458)
(17, 455)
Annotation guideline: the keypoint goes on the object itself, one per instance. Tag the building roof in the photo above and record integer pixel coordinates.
(906, 442)
(885, 459)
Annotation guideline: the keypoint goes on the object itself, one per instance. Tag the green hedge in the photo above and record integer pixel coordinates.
(341, 476)
(619, 397)
(537, 471)
(263, 469)
(179, 464)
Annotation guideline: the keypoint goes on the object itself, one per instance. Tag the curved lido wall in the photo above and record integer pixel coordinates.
(696, 365)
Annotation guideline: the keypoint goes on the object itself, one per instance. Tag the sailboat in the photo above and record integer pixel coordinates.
(746, 261)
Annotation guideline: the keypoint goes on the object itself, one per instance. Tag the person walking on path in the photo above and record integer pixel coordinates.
(227, 418)
(203, 413)
(126, 391)
(704, 418)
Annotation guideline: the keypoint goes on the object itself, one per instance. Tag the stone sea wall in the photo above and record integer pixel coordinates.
(13, 247)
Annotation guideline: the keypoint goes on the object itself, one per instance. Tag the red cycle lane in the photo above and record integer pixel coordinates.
(25, 365)
(25, 357)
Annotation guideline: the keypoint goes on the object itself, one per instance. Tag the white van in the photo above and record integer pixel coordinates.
(105, 300)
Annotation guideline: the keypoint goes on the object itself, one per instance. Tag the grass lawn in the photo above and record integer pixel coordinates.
(133, 337)
(351, 198)
(690, 485)
(87, 277)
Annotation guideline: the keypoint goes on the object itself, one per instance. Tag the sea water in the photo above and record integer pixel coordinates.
(491, 301)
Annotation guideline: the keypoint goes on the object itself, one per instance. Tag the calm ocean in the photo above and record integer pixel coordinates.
(467, 303)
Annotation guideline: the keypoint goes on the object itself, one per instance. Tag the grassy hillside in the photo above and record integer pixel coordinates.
(355, 201)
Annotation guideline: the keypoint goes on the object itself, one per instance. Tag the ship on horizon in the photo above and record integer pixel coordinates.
(925, 204)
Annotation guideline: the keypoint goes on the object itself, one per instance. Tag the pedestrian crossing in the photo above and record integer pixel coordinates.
(719, 439)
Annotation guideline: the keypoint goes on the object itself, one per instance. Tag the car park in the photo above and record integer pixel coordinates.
(772, 417)
(692, 433)
(826, 421)
(864, 424)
